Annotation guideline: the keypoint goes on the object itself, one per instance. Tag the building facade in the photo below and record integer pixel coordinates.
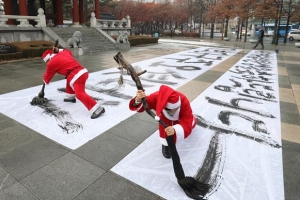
(54, 9)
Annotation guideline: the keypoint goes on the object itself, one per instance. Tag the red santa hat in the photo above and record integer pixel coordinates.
(47, 55)
(167, 98)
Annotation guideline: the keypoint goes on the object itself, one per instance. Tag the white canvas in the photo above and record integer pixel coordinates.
(70, 124)
(248, 158)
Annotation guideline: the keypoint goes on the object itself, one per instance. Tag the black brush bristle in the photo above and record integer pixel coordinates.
(39, 101)
(193, 188)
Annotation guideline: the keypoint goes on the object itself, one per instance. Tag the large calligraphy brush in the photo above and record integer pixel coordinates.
(40, 99)
(192, 188)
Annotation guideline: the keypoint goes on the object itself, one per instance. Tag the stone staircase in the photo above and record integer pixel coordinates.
(92, 39)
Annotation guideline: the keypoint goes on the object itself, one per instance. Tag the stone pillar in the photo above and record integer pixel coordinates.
(59, 12)
(23, 7)
(8, 10)
(97, 9)
(75, 14)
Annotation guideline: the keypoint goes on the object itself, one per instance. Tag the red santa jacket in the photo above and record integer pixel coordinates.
(65, 64)
(185, 122)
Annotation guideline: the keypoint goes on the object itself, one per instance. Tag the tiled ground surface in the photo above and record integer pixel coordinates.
(34, 167)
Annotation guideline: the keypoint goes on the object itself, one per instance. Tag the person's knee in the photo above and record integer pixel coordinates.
(79, 94)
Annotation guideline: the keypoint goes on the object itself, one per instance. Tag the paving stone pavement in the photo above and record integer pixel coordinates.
(34, 167)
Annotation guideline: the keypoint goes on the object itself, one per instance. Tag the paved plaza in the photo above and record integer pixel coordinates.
(33, 167)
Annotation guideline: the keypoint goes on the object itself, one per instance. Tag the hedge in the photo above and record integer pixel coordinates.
(182, 34)
(136, 40)
(33, 49)
(25, 50)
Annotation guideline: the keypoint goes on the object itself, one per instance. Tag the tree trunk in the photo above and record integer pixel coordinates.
(275, 32)
(226, 27)
(246, 31)
(212, 30)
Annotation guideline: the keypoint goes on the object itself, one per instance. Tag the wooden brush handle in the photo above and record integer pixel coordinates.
(56, 43)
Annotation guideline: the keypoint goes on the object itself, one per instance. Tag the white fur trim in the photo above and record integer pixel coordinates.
(179, 131)
(46, 83)
(175, 117)
(47, 57)
(163, 141)
(140, 106)
(174, 105)
(194, 120)
(76, 77)
(157, 118)
(94, 108)
(52, 55)
(70, 95)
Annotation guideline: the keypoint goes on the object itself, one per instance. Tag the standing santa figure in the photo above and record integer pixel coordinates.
(173, 108)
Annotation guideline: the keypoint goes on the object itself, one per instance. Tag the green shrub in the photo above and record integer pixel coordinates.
(190, 34)
(183, 34)
(136, 40)
(11, 56)
(174, 34)
(28, 49)
(140, 40)
(33, 49)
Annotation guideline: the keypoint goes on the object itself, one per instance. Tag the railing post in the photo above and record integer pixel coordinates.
(105, 24)
(93, 20)
(3, 20)
(42, 18)
(23, 23)
(128, 21)
(113, 24)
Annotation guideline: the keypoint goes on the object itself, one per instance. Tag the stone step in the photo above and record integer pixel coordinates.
(92, 40)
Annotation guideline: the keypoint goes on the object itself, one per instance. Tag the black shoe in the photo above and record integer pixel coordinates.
(166, 151)
(68, 99)
(98, 112)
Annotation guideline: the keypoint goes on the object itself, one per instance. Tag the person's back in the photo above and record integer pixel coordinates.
(260, 39)
(64, 59)
(62, 63)
(261, 34)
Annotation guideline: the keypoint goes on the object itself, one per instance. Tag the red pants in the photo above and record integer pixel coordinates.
(79, 91)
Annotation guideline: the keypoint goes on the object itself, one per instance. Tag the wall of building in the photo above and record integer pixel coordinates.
(14, 34)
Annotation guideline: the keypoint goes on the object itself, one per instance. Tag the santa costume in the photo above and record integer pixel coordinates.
(76, 76)
(183, 120)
